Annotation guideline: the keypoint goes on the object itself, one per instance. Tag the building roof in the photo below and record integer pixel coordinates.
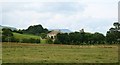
(54, 32)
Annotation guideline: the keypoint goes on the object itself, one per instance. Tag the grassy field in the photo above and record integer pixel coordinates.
(50, 53)
(25, 36)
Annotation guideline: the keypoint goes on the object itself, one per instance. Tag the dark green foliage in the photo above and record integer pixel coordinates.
(14, 40)
(57, 41)
(80, 38)
(18, 31)
(98, 38)
(113, 35)
(49, 41)
(43, 35)
(88, 38)
(36, 30)
(7, 32)
(31, 40)
(117, 25)
(74, 38)
(63, 38)
(7, 35)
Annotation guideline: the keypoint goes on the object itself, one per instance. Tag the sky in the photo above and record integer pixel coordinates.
(90, 15)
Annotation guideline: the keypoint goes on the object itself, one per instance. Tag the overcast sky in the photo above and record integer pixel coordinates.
(92, 15)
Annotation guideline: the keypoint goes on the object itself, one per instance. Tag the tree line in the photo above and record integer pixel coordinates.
(80, 38)
(74, 38)
(112, 37)
(35, 30)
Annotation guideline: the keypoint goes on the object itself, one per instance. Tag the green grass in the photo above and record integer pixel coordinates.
(50, 53)
(26, 36)
(43, 41)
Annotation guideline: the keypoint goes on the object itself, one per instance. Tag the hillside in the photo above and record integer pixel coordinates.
(26, 36)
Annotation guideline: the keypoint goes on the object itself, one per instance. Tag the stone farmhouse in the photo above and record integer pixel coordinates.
(53, 34)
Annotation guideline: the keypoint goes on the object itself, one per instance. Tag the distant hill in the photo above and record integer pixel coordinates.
(12, 28)
(62, 30)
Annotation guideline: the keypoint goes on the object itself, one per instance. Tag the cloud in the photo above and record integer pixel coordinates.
(31, 12)
(55, 7)
(93, 16)
(64, 7)
(39, 0)
(101, 11)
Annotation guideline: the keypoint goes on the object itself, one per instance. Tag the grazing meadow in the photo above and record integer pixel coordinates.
(52, 53)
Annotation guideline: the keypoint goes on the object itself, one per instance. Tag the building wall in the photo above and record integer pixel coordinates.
(51, 35)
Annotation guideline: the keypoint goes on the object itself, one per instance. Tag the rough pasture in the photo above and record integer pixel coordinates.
(51, 53)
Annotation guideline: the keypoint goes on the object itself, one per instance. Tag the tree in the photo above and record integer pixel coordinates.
(57, 41)
(43, 35)
(98, 38)
(36, 30)
(49, 41)
(77, 38)
(62, 38)
(7, 32)
(7, 35)
(117, 25)
(113, 35)
(88, 38)
(18, 31)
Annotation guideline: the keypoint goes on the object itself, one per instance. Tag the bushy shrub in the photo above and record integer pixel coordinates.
(49, 41)
(57, 42)
(31, 40)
